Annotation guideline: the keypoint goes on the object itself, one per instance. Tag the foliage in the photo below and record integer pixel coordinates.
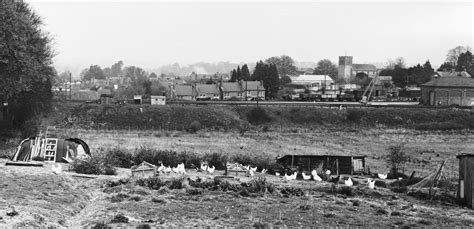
(285, 65)
(402, 76)
(326, 67)
(194, 127)
(94, 72)
(240, 74)
(119, 218)
(397, 157)
(26, 72)
(292, 191)
(119, 157)
(454, 54)
(95, 165)
(154, 183)
(258, 116)
(260, 185)
(356, 115)
(284, 80)
(267, 73)
(464, 63)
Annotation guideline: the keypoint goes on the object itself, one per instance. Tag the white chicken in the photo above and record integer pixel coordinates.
(204, 167)
(277, 174)
(57, 168)
(167, 169)
(382, 176)
(328, 172)
(247, 167)
(291, 177)
(264, 171)
(253, 169)
(315, 176)
(175, 169)
(211, 169)
(371, 183)
(348, 182)
(181, 169)
(306, 177)
(161, 168)
(251, 173)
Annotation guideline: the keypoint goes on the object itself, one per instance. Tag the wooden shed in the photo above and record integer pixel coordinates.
(144, 170)
(336, 163)
(466, 179)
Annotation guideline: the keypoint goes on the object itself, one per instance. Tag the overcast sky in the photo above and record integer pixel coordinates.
(149, 34)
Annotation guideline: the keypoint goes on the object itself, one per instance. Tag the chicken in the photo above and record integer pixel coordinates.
(294, 175)
(371, 183)
(382, 176)
(57, 168)
(288, 177)
(336, 179)
(315, 176)
(167, 169)
(306, 177)
(348, 182)
(251, 173)
(277, 174)
(253, 169)
(161, 168)
(175, 169)
(204, 167)
(211, 169)
(247, 167)
(328, 172)
(264, 171)
(181, 169)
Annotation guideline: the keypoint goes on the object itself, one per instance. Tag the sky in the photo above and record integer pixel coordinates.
(152, 33)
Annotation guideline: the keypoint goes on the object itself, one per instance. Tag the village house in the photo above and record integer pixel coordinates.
(184, 92)
(253, 90)
(207, 92)
(231, 90)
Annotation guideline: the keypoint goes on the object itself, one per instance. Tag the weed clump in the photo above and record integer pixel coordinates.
(258, 116)
(95, 165)
(194, 127)
(119, 218)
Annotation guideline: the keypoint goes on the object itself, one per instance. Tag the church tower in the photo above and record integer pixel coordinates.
(345, 68)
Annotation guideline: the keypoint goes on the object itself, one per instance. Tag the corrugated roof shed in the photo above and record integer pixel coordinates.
(450, 82)
(207, 89)
(231, 87)
(363, 67)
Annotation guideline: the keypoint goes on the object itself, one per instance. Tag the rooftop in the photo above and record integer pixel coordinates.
(252, 86)
(364, 67)
(207, 89)
(184, 90)
(231, 86)
(455, 81)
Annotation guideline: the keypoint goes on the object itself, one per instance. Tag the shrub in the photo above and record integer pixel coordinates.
(119, 157)
(265, 128)
(346, 190)
(292, 191)
(154, 183)
(218, 160)
(396, 157)
(194, 127)
(260, 185)
(119, 218)
(258, 116)
(441, 126)
(355, 115)
(101, 226)
(177, 183)
(118, 197)
(95, 165)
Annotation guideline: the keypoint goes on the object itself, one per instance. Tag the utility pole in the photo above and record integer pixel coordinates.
(70, 86)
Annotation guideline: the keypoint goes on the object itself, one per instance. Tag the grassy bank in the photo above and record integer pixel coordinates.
(192, 118)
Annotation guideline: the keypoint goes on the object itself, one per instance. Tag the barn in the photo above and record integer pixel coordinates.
(447, 91)
(336, 163)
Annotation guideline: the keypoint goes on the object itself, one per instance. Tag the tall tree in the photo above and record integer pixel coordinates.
(465, 62)
(272, 81)
(26, 71)
(326, 67)
(454, 53)
(238, 73)
(446, 66)
(116, 69)
(285, 65)
(245, 72)
(94, 72)
(233, 76)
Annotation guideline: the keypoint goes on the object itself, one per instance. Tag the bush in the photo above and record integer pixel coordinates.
(396, 157)
(346, 190)
(217, 160)
(194, 127)
(119, 218)
(101, 226)
(441, 126)
(95, 165)
(154, 183)
(260, 185)
(258, 116)
(119, 157)
(292, 191)
(355, 115)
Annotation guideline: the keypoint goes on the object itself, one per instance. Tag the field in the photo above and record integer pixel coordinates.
(42, 198)
(63, 200)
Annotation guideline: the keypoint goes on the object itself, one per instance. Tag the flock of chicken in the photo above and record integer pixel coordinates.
(179, 169)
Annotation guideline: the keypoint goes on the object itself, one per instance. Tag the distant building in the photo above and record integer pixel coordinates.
(445, 91)
(231, 90)
(253, 90)
(347, 70)
(185, 92)
(84, 95)
(312, 81)
(450, 74)
(157, 100)
(305, 71)
(207, 92)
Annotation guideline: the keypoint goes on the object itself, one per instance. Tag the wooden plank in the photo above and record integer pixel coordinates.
(23, 163)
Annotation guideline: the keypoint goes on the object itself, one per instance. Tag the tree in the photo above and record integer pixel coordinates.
(233, 76)
(94, 72)
(285, 65)
(63, 77)
(465, 62)
(268, 73)
(446, 66)
(26, 72)
(285, 80)
(326, 67)
(454, 53)
(153, 76)
(245, 72)
(238, 74)
(116, 69)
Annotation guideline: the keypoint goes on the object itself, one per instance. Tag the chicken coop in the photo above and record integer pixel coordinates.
(466, 179)
(354, 164)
